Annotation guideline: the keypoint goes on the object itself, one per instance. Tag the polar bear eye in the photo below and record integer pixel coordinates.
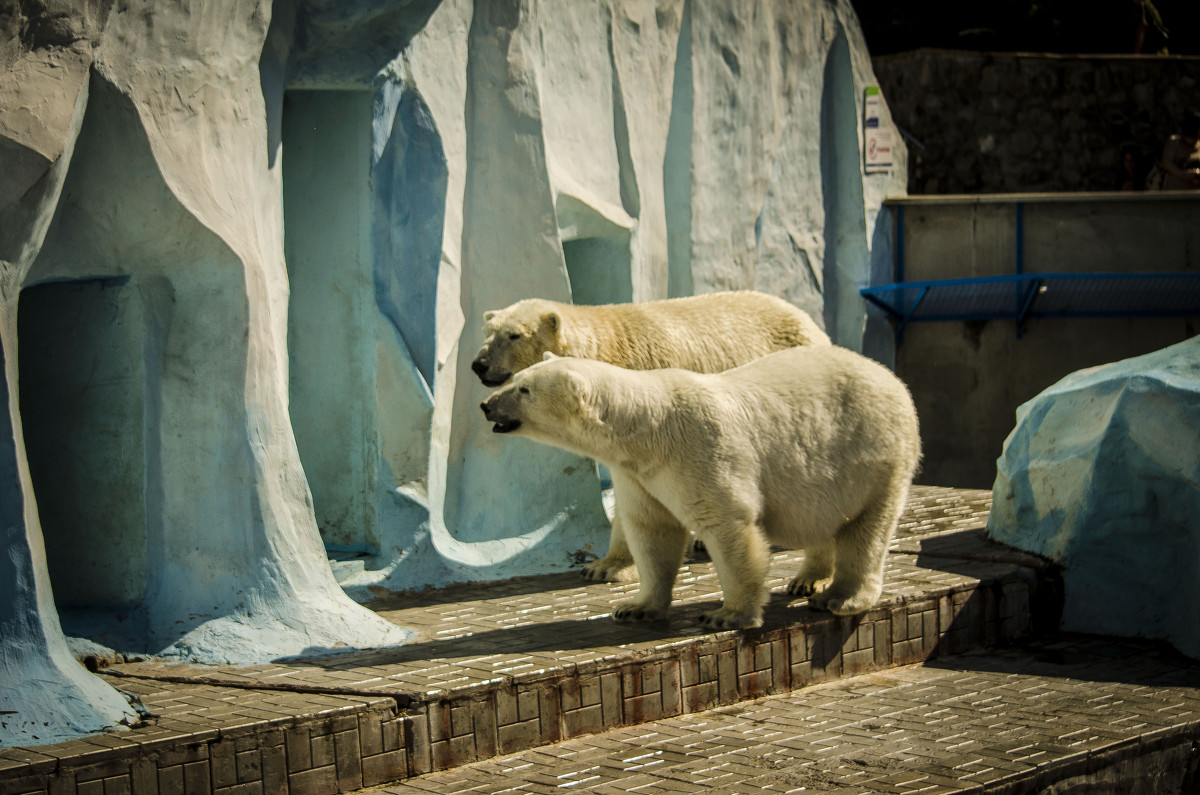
(514, 336)
(524, 390)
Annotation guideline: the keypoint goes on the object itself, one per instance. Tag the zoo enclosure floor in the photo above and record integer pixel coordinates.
(504, 668)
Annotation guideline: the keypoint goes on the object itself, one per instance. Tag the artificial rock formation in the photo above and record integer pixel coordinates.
(1102, 475)
(600, 151)
(143, 298)
(245, 248)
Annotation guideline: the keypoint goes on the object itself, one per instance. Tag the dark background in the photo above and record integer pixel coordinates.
(1057, 26)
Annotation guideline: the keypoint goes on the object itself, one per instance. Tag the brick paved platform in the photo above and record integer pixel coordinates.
(502, 668)
(1079, 715)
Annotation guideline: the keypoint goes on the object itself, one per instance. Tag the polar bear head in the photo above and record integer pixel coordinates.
(549, 394)
(516, 337)
(555, 402)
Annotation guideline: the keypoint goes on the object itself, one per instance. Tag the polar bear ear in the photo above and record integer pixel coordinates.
(488, 315)
(576, 384)
(548, 355)
(581, 392)
(551, 320)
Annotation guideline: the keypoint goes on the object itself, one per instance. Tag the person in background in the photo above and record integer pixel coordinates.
(1131, 173)
(1179, 166)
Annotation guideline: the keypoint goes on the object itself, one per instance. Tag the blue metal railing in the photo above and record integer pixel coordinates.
(1024, 295)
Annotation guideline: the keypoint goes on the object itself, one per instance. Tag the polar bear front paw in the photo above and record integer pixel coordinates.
(636, 611)
(803, 585)
(605, 570)
(725, 618)
(842, 605)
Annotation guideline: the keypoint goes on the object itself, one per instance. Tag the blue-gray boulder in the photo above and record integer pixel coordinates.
(1102, 475)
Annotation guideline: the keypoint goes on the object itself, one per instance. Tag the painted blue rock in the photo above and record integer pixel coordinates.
(1102, 475)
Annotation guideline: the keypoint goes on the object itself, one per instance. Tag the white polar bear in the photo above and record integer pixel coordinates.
(706, 333)
(812, 447)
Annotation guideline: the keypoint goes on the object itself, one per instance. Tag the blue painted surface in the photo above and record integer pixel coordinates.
(408, 180)
(677, 167)
(1102, 475)
(847, 257)
(1053, 295)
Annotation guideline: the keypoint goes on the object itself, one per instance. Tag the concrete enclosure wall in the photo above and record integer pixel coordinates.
(82, 375)
(605, 152)
(245, 248)
(968, 378)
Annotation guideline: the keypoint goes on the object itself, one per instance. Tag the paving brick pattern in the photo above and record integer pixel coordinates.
(208, 739)
(503, 667)
(1126, 715)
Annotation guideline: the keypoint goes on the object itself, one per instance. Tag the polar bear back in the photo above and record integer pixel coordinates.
(704, 333)
(803, 439)
(832, 432)
(836, 422)
(835, 395)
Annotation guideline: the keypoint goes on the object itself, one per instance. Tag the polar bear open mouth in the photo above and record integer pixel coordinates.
(496, 416)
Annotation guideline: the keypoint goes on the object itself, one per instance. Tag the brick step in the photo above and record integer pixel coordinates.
(1075, 714)
(500, 668)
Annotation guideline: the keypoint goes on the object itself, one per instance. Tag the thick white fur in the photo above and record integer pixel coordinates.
(813, 447)
(705, 333)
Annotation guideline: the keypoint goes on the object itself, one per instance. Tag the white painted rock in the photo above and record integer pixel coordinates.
(1102, 475)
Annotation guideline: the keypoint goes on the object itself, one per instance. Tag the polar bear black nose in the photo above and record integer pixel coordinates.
(480, 367)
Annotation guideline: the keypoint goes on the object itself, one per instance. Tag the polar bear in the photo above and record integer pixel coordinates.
(811, 447)
(706, 333)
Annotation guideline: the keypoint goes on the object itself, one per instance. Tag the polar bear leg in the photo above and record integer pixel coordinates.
(818, 566)
(741, 559)
(617, 563)
(657, 549)
(860, 552)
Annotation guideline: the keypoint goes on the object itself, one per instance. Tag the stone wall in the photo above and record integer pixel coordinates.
(1013, 122)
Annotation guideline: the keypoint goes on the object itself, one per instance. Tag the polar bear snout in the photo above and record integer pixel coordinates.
(482, 367)
(503, 422)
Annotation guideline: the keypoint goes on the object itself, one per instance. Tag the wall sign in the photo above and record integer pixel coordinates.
(877, 139)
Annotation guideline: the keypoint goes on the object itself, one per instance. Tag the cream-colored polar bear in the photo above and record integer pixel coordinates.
(706, 333)
(812, 447)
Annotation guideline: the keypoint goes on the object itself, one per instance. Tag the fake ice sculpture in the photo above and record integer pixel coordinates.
(245, 248)
(1102, 475)
(143, 301)
(593, 151)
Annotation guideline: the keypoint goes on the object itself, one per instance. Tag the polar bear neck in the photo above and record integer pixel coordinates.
(632, 414)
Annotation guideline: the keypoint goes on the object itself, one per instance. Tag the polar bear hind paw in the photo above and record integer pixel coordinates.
(630, 612)
(725, 618)
(802, 585)
(605, 570)
(842, 605)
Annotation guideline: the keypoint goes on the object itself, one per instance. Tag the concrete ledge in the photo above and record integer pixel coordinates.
(1068, 714)
(504, 667)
